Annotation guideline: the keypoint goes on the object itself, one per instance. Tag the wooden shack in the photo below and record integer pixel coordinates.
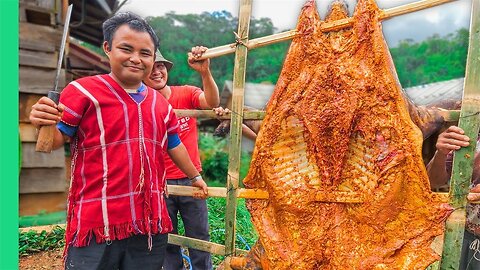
(43, 180)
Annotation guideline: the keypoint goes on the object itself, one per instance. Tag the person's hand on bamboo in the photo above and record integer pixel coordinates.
(45, 112)
(474, 195)
(451, 139)
(220, 111)
(203, 192)
(201, 66)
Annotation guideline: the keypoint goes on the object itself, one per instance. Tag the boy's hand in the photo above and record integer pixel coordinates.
(45, 112)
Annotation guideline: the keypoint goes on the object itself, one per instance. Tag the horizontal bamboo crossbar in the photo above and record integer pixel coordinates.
(320, 196)
(331, 26)
(448, 115)
(201, 245)
(219, 192)
(247, 115)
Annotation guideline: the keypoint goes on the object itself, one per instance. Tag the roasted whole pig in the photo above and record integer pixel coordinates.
(340, 157)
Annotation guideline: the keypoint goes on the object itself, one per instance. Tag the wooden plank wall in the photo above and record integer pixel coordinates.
(42, 181)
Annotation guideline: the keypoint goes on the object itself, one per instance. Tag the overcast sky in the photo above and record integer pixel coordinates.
(443, 19)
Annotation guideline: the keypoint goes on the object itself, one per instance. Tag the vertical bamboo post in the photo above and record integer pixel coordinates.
(463, 159)
(245, 10)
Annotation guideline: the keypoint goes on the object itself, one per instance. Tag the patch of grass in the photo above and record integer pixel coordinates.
(246, 235)
(32, 241)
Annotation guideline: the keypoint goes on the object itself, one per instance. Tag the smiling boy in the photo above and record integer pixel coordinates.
(117, 216)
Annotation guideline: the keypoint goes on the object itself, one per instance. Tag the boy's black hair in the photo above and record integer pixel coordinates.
(134, 21)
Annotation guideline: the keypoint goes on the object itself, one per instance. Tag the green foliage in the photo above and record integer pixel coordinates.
(214, 156)
(179, 33)
(246, 234)
(434, 59)
(31, 241)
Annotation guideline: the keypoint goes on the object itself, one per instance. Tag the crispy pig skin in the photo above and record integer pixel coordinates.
(337, 122)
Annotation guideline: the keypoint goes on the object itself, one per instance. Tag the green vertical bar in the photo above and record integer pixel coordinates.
(245, 10)
(9, 135)
(463, 159)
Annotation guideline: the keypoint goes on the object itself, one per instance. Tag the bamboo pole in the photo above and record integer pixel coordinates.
(247, 115)
(448, 115)
(321, 196)
(201, 245)
(464, 158)
(233, 176)
(332, 26)
(219, 192)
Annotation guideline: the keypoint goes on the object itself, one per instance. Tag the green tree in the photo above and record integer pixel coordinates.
(178, 33)
(434, 59)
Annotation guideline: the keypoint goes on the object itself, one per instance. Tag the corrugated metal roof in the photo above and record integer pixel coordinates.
(436, 93)
(87, 19)
(256, 94)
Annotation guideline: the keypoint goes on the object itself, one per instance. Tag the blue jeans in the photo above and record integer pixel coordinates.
(194, 214)
(128, 254)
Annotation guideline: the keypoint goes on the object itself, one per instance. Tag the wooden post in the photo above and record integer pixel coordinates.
(245, 10)
(463, 159)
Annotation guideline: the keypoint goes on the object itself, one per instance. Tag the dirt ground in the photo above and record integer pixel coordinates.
(51, 260)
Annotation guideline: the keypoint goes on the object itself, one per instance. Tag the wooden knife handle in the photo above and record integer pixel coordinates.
(46, 133)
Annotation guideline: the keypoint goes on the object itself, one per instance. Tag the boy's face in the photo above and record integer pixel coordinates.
(131, 56)
(158, 77)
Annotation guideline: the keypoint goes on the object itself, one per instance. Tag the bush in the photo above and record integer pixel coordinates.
(214, 156)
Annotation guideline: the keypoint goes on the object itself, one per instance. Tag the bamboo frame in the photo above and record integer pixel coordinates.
(332, 26)
(463, 158)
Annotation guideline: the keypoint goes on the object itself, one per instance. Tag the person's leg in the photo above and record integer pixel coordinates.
(470, 258)
(194, 214)
(94, 256)
(173, 256)
(139, 257)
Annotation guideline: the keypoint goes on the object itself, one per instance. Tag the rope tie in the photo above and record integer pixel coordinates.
(470, 115)
(238, 41)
